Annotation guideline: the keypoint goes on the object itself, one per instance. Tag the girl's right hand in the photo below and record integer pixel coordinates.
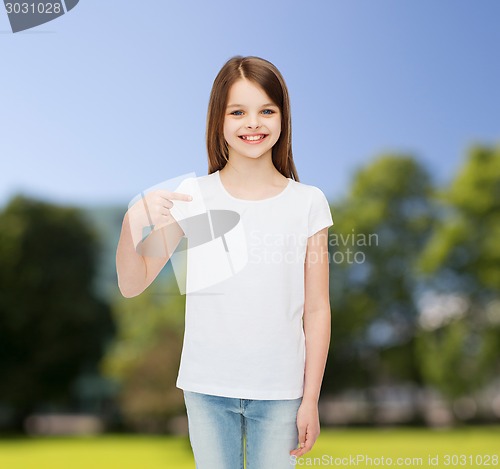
(154, 209)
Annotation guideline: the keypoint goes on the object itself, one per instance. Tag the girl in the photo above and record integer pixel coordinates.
(256, 342)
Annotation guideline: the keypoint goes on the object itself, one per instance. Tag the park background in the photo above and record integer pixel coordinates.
(395, 117)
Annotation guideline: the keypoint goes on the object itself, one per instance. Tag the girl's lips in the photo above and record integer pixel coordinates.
(253, 142)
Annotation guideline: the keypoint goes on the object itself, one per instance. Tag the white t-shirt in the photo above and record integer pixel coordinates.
(244, 335)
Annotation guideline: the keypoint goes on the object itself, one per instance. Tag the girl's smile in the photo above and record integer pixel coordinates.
(253, 139)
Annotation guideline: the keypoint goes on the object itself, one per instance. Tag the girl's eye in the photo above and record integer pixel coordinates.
(270, 111)
(233, 113)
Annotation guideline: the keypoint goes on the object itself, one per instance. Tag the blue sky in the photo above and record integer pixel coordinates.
(111, 98)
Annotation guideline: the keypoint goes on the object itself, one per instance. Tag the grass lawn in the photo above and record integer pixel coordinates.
(472, 447)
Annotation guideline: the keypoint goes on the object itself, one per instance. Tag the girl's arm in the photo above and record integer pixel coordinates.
(317, 333)
(135, 271)
(317, 316)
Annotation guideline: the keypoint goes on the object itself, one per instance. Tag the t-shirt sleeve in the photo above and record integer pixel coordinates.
(319, 214)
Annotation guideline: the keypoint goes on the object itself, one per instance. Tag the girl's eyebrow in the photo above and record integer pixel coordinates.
(241, 105)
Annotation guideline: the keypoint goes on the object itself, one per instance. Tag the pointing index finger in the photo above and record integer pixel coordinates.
(175, 195)
(180, 196)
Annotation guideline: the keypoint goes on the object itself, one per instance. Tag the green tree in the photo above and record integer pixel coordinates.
(464, 250)
(144, 358)
(380, 229)
(52, 325)
(462, 259)
(455, 359)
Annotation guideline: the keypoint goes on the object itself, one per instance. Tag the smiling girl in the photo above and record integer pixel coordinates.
(255, 345)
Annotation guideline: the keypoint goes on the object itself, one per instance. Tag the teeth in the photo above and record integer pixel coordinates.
(252, 137)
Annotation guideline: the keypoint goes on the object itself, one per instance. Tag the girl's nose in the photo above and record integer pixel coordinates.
(253, 123)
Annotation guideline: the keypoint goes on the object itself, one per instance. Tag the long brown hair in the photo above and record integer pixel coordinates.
(265, 75)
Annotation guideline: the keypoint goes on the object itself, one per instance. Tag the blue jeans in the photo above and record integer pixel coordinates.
(225, 431)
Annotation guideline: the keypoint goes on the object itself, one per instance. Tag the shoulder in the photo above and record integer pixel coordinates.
(306, 188)
(190, 180)
(318, 207)
(311, 193)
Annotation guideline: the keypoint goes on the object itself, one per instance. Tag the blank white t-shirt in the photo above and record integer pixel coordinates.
(244, 335)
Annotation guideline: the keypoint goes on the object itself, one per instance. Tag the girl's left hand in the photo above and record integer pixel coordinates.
(308, 426)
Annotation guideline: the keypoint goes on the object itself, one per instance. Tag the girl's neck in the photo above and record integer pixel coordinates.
(252, 179)
(251, 173)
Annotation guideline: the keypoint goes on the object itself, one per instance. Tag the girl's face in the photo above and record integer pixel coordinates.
(252, 123)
